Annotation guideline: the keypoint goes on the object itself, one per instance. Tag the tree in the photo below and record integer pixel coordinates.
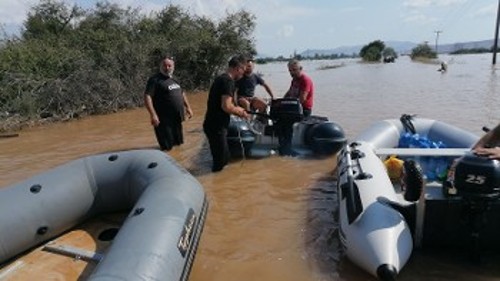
(373, 51)
(70, 62)
(49, 18)
(423, 51)
(389, 52)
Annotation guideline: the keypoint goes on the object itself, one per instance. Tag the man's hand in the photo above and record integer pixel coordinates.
(491, 153)
(242, 113)
(155, 121)
(189, 113)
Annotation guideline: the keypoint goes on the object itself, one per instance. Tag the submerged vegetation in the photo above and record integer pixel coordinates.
(422, 52)
(472, 51)
(373, 51)
(331, 66)
(376, 50)
(68, 62)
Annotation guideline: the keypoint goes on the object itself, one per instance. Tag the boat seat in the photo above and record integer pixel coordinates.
(452, 152)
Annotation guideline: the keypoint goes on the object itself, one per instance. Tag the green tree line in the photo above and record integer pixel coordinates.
(69, 61)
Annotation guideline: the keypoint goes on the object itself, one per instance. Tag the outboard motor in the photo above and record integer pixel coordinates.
(477, 180)
(286, 109)
(284, 113)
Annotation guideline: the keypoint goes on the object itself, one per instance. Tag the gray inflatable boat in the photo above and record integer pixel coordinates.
(266, 134)
(159, 237)
(446, 197)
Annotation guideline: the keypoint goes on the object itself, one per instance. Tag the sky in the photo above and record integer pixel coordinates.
(287, 26)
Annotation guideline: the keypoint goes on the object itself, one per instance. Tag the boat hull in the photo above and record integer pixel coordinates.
(379, 228)
(313, 136)
(160, 235)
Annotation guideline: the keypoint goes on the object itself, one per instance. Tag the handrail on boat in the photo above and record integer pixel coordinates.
(422, 151)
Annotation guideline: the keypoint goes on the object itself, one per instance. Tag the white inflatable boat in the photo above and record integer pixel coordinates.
(157, 241)
(382, 220)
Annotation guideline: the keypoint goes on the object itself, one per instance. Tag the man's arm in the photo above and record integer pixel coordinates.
(303, 96)
(492, 138)
(148, 102)
(228, 106)
(488, 144)
(268, 90)
(189, 111)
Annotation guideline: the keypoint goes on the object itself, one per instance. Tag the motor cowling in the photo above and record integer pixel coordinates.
(286, 109)
(325, 138)
(477, 177)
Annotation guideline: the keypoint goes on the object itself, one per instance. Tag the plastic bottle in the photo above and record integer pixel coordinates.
(442, 167)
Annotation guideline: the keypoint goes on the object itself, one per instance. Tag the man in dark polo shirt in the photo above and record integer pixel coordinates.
(220, 105)
(246, 89)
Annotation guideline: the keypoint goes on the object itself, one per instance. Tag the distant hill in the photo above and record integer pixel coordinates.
(448, 48)
(401, 47)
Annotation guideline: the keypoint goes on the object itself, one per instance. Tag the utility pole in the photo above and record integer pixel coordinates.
(495, 42)
(437, 37)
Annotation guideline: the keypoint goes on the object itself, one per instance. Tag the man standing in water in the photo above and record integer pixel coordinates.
(246, 89)
(301, 87)
(220, 104)
(167, 105)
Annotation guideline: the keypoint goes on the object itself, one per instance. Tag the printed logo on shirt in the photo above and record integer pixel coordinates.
(174, 86)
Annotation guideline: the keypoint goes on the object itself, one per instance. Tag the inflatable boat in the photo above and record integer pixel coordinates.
(158, 239)
(414, 183)
(286, 131)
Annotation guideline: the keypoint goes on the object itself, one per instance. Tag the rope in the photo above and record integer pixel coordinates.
(406, 120)
(243, 154)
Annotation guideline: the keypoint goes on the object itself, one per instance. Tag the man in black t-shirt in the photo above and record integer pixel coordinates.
(167, 106)
(220, 104)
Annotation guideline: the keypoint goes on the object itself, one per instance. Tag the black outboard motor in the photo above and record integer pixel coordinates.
(286, 109)
(477, 180)
(284, 113)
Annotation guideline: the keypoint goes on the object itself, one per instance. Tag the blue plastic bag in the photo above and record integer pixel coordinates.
(434, 167)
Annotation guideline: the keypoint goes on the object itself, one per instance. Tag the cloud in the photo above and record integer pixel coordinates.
(430, 3)
(417, 3)
(286, 30)
(275, 11)
(350, 9)
(13, 12)
(419, 18)
(487, 10)
(215, 9)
